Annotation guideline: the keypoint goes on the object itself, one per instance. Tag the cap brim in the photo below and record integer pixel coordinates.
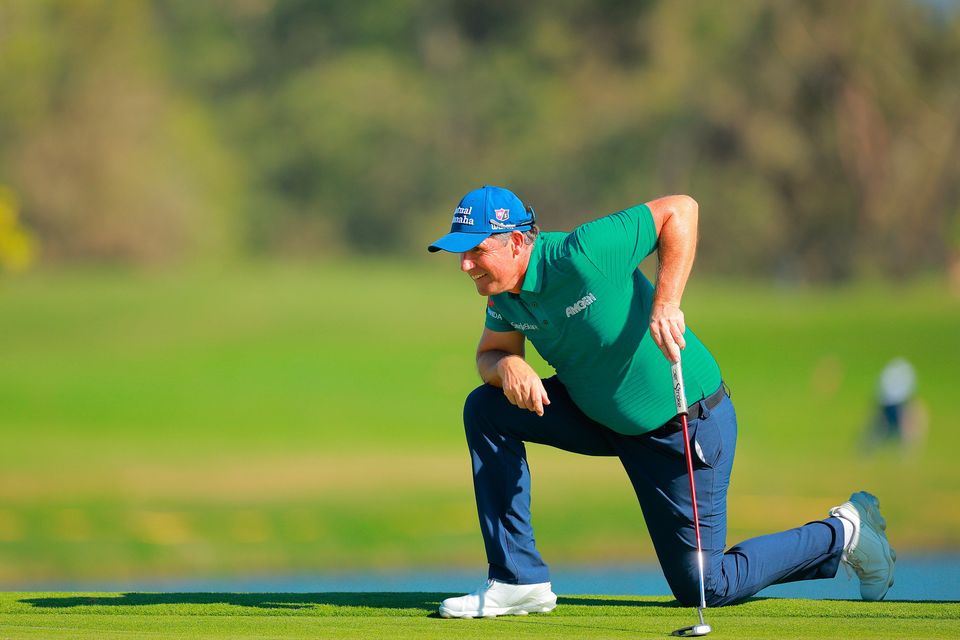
(458, 242)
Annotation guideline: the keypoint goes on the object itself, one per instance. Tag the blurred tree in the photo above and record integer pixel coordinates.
(821, 138)
(844, 130)
(110, 162)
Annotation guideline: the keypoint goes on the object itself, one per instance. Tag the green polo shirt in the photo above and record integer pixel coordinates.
(585, 306)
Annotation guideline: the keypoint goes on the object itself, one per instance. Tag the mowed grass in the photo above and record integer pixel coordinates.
(412, 615)
(290, 418)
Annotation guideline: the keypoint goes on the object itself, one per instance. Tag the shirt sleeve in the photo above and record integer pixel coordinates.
(616, 244)
(494, 321)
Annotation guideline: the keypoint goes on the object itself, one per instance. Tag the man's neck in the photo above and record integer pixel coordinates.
(524, 265)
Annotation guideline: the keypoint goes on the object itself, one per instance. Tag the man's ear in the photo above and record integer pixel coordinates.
(516, 241)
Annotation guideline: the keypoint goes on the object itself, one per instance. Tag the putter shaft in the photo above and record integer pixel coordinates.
(703, 628)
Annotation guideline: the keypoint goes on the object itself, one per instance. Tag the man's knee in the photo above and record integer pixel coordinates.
(685, 585)
(689, 595)
(477, 406)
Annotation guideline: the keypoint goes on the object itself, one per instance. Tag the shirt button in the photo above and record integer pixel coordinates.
(546, 322)
(535, 304)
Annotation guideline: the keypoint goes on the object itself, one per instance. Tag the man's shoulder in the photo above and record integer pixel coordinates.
(617, 242)
(555, 245)
(614, 224)
(551, 238)
(567, 249)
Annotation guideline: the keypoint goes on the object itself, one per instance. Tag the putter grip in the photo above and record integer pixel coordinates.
(678, 393)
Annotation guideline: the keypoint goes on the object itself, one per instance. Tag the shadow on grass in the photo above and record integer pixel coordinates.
(427, 602)
(869, 603)
(291, 601)
(611, 602)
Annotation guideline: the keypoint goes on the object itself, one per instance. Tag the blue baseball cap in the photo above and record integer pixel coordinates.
(480, 214)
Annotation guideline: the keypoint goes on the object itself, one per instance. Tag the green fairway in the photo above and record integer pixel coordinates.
(412, 615)
(280, 419)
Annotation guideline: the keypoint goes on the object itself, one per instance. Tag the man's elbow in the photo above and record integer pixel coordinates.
(678, 214)
(687, 207)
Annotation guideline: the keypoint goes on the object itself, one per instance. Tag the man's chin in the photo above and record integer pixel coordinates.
(485, 289)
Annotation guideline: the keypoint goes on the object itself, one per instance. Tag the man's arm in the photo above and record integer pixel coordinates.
(675, 219)
(501, 364)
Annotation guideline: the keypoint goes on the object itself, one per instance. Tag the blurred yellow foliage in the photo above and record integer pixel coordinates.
(16, 244)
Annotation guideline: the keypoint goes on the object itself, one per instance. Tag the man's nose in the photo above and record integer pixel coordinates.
(465, 263)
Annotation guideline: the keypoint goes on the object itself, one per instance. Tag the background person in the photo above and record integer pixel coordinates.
(611, 336)
(899, 416)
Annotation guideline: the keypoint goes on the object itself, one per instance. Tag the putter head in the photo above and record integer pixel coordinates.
(694, 631)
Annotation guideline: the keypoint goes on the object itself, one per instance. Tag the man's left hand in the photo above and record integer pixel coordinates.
(666, 329)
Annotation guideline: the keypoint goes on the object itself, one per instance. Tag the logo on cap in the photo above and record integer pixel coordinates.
(502, 214)
(462, 215)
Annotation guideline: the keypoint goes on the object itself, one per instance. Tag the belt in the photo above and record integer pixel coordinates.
(694, 412)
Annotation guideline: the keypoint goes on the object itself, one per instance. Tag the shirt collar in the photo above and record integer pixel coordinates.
(533, 280)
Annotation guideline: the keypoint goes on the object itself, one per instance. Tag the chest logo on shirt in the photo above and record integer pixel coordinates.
(581, 304)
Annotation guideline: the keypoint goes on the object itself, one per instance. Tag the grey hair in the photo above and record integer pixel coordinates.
(529, 236)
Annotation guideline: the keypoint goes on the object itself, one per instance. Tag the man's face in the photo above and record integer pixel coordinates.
(493, 265)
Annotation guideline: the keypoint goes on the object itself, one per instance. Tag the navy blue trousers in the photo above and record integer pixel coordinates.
(655, 463)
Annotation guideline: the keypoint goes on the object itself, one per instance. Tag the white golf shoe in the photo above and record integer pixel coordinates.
(869, 553)
(494, 599)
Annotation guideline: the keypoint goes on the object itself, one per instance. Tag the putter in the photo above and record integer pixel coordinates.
(680, 396)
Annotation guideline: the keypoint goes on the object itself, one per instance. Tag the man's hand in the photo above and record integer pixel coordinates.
(501, 364)
(522, 385)
(666, 329)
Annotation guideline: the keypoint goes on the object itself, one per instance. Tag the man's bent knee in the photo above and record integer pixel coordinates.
(684, 583)
(477, 406)
(689, 595)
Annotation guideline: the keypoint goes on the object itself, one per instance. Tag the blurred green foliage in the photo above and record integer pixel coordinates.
(822, 139)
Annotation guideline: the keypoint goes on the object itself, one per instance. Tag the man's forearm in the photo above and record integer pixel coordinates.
(488, 365)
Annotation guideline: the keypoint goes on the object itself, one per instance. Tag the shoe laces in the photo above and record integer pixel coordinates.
(848, 567)
(852, 563)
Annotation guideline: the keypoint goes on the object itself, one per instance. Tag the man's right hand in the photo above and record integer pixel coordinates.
(521, 384)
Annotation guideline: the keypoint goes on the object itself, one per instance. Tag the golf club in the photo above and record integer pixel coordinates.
(680, 396)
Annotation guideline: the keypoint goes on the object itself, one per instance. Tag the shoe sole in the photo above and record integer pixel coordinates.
(869, 507)
(521, 610)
